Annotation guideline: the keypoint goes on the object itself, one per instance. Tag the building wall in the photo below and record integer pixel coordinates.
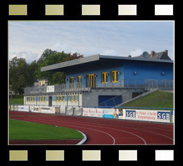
(92, 98)
(29, 100)
(96, 70)
(144, 70)
(147, 70)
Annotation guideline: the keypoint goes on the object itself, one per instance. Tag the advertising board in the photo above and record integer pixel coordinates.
(101, 112)
(42, 109)
(15, 108)
(148, 115)
(78, 111)
(35, 109)
(110, 113)
(12, 107)
(48, 110)
(23, 108)
(85, 111)
(69, 111)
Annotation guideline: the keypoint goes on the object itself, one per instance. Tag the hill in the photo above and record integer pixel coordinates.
(158, 99)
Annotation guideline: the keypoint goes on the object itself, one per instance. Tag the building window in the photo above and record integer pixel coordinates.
(57, 98)
(71, 98)
(91, 80)
(104, 77)
(39, 98)
(63, 98)
(71, 81)
(79, 79)
(114, 76)
(44, 98)
(60, 98)
(75, 98)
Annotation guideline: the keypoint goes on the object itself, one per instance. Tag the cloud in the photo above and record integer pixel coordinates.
(136, 52)
(109, 52)
(91, 51)
(29, 56)
(67, 48)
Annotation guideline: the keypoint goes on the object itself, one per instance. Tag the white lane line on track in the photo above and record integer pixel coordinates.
(84, 138)
(57, 124)
(131, 128)
(128, 132)
(117, 124)
(99, 130)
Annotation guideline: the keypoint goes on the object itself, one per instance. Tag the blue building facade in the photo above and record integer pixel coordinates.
(120, 73)
(99, 79)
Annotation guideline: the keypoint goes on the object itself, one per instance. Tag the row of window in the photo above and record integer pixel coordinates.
(114, 77)
(31, 98)
(59, 98)
(104, 77)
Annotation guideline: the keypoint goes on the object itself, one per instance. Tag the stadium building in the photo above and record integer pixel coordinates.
(101, 80)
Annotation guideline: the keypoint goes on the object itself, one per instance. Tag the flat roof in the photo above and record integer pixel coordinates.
(96, 59)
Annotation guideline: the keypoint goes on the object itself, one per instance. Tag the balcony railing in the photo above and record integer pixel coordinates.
(86, 86)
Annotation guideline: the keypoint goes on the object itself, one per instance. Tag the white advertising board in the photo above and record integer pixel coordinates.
(110, 113)
(78, 111)
(35, 109)
(12, 107)
(147, 115)
(100, 112)
(23, 108)
(47, 110)
(42, 109)
(85, 111)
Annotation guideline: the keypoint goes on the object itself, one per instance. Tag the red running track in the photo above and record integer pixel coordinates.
(101, 131)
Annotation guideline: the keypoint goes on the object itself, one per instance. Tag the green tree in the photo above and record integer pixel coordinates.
(31, 68)
(50, 57)
(18, 75)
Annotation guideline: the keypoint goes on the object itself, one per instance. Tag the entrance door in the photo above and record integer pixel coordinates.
(50, 100)
(91, 80)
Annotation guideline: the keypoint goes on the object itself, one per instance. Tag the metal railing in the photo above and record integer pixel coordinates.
(148, 85)
(86, 86)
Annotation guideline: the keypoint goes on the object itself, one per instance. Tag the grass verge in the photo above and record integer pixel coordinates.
(158, 99)
(19, 101)
(20, 130)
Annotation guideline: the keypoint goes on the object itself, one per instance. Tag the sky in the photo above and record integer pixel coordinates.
(29, 39)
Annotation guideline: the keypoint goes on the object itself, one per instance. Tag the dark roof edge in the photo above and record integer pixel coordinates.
(96, 58)
(71, 63)
(135, 59)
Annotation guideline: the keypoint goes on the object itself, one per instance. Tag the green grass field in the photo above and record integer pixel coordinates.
(158, 99)
(19, 101)
(20, 130)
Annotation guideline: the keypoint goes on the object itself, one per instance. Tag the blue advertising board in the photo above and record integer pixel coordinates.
(163, 115)
(131, 113)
